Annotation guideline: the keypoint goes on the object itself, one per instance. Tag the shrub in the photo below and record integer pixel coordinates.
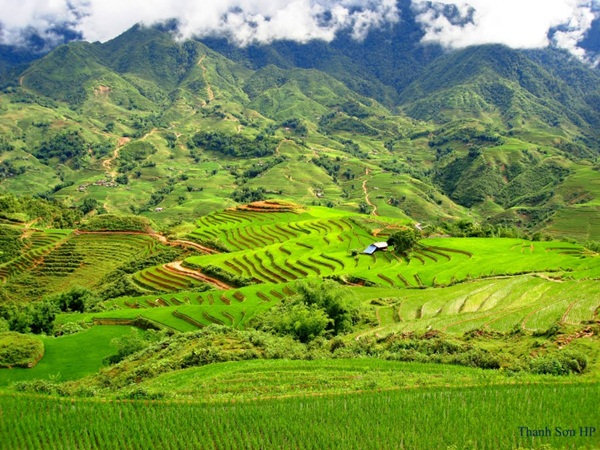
(559, 364)
(20, 350)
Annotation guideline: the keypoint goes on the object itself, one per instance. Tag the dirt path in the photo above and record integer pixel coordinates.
(177, 268)
(107, 164)
(366, 191)
(209, 91)
(159, 237)
(277, 150)
(182, 243)
(149, 133)
(21, 80)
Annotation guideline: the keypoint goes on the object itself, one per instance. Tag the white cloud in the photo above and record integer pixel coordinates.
(516, 23)
(245, 21)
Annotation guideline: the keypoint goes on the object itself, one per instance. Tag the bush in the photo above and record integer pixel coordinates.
(559, 364)
(223, 275)
(127, 345)
(78, 299)
(317, 309)
(20, 350)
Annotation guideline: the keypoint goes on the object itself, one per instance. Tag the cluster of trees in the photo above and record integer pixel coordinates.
(38, 317)
(134, 153)
(66, 146)
(338, 121)
(5, 146)
(404, 241)
(235, 144)
(467, 228)
(48, 212)
(466, 135)
(258, 168)
(9, 169)
(295, 124)
(332, 167)
(317, 309)
(248, 195)
(353, 149)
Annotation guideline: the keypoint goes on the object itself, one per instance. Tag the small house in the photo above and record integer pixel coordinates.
(376, 246)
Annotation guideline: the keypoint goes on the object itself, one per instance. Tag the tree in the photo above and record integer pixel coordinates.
(78, 299)
(89, 204)
(42, 317)
(364, 208)
(318, 309)
(404, 241)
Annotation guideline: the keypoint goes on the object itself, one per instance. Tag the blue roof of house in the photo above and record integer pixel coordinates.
(370, 250)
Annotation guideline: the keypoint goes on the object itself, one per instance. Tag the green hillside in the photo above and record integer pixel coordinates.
(186, 225)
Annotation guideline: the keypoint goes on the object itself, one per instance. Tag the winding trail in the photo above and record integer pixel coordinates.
(283, 141)
(209, 91)
(365, 190)
(107, 164)
(177, 268)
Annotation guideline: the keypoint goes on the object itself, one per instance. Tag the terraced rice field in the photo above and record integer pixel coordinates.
(451, 284)
(37, 245)
(281, 247)
(504, 304)
(161, 279)
(63, 259)
(478, 283)
(187, 311)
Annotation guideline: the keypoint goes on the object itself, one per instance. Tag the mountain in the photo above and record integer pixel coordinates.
(385, 126)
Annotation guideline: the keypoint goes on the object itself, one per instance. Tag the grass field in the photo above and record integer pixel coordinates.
(69, 357)
(484, 417)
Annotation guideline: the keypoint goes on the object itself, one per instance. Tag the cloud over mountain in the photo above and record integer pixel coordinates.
(244, 21)
(516, 23)
(452, 23)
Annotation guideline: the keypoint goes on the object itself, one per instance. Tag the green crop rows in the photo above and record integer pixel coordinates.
(453, 284)
(416, 419)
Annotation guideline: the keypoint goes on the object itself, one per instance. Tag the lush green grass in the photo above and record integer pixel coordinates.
(69, 357)
(252, 380)
(484, 417)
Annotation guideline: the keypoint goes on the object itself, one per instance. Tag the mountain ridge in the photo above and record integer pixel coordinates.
(486, 109)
